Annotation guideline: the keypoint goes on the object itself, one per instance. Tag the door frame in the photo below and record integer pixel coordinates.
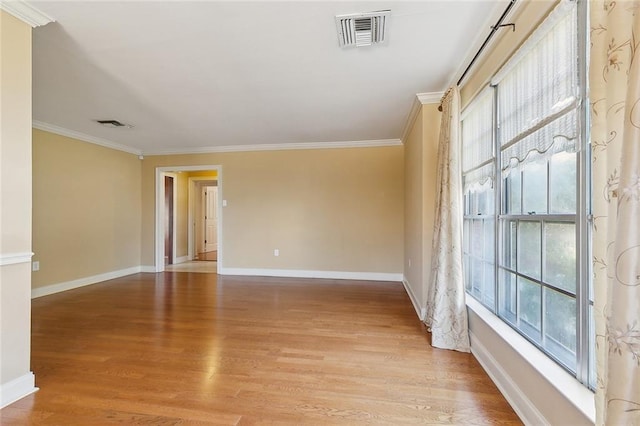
(159, 219)
(194, 183)
(174, 181)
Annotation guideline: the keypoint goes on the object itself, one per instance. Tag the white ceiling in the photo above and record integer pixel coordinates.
(198, 76)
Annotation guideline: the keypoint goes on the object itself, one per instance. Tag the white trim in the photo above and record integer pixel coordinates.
(81, 282)
(15, 258)
(17, 389)
(418, 101)
(26, 12)
(299, 273)
(84, 137)
(181, 259)
(148, 269)
(279, 147)
(565, 384)
(420, 311)
(518, 400)
(159, 211)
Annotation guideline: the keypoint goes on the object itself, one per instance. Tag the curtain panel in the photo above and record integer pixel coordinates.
(446, 311)
(615, 142)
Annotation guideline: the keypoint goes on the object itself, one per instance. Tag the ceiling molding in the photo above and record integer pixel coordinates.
(281, 147)
(84, 137)
(430, 97)
(418, 101)
(26, 12)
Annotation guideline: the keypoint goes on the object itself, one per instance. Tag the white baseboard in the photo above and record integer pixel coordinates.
(420, 311)
(518, 400)
(298, 273)
(81, 282)
(181, 259)
(16, 389)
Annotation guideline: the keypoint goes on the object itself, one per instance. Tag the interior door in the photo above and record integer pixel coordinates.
(211, 219)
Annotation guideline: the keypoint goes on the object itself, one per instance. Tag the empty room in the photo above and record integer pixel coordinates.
(320, 212)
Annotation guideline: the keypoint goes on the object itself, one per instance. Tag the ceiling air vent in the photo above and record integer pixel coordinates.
(362, 29)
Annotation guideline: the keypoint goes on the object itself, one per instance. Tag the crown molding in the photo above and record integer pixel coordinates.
(26, 12)
(84, 137)
(280, 147)
(418, 101)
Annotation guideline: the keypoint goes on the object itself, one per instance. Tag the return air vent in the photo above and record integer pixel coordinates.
(362, 29)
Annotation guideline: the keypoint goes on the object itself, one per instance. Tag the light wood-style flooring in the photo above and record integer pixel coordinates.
(188, 348)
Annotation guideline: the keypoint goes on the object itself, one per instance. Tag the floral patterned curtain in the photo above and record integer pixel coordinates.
(446, 314)
(615, 141)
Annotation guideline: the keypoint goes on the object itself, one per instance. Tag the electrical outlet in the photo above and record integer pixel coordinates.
(35, 265)
(276, 252)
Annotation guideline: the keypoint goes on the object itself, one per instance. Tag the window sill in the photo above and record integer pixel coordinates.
(575, 392)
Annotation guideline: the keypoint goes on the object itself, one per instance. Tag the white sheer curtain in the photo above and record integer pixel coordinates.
(615, 141)
(446, 314)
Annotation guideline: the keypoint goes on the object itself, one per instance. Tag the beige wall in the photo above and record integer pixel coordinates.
(325, 210)
(544, 396)
(86, 209)
(420, 155)
(15, 207)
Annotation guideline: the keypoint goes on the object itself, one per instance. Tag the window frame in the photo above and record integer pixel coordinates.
(583, 370)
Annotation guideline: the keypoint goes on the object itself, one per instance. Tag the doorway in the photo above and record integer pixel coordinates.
(163, 250)
(169, 216)
(205, 220)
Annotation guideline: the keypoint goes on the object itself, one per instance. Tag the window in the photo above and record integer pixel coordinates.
(526, 203)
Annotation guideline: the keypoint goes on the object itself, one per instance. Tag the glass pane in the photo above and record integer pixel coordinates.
(560, 255)
(529, 250)
(489, 289)
(476, 278)
(489, 240)
(560, 326)
(562, 184)
(530, 304)
(465, 235)
(509, 244)
(507, 288)
(534, 188)
(512, 191)
(467, 270)
(476, 238)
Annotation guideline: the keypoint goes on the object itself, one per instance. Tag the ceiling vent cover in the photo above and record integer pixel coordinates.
(362, 29)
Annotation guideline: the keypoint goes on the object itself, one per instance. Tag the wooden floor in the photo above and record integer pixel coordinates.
(187, 348)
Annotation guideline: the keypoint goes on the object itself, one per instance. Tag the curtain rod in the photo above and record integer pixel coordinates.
(494, 29)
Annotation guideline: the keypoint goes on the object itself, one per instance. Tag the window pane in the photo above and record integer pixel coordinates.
(529, 250)
(466, 261)
(534, 188)
(476, 238)
(530, 304)
(489, 289)
(562, 184)
(489, 240)
(560, 326)
(509, 244)
(507, 308)
(476, 277)
(465, 235)
(513, 201)
(560, 255)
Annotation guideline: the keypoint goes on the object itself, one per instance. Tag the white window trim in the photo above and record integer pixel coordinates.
(566, 384)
